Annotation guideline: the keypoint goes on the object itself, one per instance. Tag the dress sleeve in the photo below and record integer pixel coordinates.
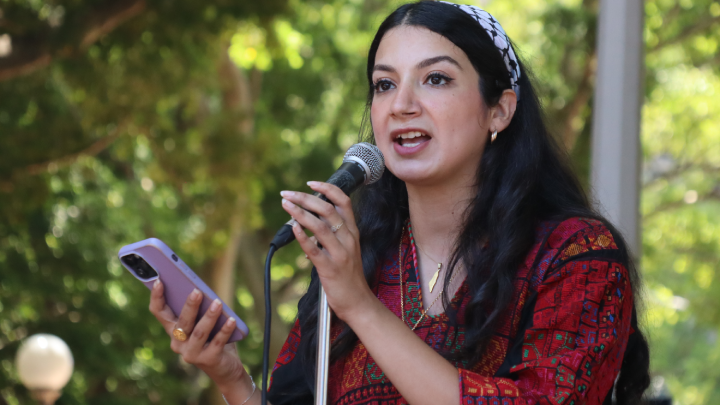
(572, 352)
(289, 349)
(287, 382)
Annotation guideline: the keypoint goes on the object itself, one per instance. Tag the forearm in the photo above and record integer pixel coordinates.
(421, 375)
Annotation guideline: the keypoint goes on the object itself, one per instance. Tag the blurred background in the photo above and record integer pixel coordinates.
(182, 120)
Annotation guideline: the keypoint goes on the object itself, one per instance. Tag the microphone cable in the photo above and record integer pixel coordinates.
(268, 320)
(363, 163)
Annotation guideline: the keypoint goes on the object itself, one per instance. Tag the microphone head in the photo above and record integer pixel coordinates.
(369, 157)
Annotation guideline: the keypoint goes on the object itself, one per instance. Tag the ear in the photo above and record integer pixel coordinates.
(502, 113)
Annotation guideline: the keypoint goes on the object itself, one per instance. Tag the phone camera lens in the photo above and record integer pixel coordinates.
(139, 266)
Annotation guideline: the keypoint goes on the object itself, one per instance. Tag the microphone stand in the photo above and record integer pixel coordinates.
(363, 163)
(323, 331)
(323, 349)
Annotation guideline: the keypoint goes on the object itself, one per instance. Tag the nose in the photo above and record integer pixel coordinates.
(405, 103)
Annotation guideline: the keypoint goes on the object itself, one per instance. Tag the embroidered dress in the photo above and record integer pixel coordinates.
(561, 342)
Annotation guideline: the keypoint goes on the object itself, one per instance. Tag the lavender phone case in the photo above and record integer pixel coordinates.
(179, 281)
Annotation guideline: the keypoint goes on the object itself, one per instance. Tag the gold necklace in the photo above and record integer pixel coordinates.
(402, 289)
(435, 276)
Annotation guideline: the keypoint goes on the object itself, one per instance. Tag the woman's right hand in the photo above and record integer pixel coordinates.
(216, 357)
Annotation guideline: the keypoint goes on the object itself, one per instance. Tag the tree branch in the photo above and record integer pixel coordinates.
(92, 150)
(61, 162)
(28, 55)
(691, 30)
(569, 134)
(34, 51)
(669, 206)
(106, 19)
(680, 170)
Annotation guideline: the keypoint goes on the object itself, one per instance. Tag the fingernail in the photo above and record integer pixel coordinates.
(156, 284)
(313, 183)
(195, 294)
(287, 203)
(215, 305)
(230, 321)
(296, 226)
(287, 193)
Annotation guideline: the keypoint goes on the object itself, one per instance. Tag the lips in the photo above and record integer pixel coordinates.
(411, 138)
(410, 141)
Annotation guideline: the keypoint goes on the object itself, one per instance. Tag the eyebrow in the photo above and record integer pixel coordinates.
(423, 64)
(432, 61)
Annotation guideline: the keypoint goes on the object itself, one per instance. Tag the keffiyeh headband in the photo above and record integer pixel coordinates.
(499, 38)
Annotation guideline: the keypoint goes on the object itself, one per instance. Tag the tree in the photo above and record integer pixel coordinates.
(160, 134)
(183, 120)
(681, 198)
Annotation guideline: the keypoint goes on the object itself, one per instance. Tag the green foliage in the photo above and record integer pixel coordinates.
(149, 133)
(185, 121)
(681, 195)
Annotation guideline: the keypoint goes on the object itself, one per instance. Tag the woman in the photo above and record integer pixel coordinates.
(535, 301)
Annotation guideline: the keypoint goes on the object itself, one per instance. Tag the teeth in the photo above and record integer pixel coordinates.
(411, 135)
(411, 145)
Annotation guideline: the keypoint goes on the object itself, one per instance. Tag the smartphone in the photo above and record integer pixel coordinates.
(151, 259)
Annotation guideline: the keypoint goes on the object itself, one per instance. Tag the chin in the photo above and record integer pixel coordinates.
(413, 175)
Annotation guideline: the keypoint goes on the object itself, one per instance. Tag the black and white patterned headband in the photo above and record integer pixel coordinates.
(499, 38)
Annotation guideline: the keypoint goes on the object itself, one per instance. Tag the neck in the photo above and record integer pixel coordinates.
(437, 215)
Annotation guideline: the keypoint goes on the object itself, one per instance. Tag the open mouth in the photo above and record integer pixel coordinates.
(412, 139)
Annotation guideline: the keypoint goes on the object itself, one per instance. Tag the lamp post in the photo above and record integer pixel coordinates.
(45, 364)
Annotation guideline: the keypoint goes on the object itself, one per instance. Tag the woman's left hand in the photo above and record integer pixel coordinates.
(338, 263)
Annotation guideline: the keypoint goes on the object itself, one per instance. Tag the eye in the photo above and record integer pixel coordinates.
(438, 79)
(382, 85)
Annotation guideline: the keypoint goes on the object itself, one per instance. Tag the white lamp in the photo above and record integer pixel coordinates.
(45, 364)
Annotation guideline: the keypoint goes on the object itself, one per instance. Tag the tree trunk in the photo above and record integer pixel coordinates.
(252, 258)
(238, 100)
(223, 272)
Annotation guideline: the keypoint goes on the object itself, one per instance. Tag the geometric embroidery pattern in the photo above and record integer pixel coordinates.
(571, 352)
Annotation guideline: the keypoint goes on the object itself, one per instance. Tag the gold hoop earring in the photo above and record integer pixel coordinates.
(493, 137)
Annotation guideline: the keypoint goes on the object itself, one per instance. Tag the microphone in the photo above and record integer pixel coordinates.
(363, 163)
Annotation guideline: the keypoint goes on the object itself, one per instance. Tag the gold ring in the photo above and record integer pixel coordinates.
(179, 334)
(335, 228)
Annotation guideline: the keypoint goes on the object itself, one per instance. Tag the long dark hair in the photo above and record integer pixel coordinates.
(523, 179)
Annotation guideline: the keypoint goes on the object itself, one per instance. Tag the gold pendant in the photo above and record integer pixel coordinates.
(434, 278)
